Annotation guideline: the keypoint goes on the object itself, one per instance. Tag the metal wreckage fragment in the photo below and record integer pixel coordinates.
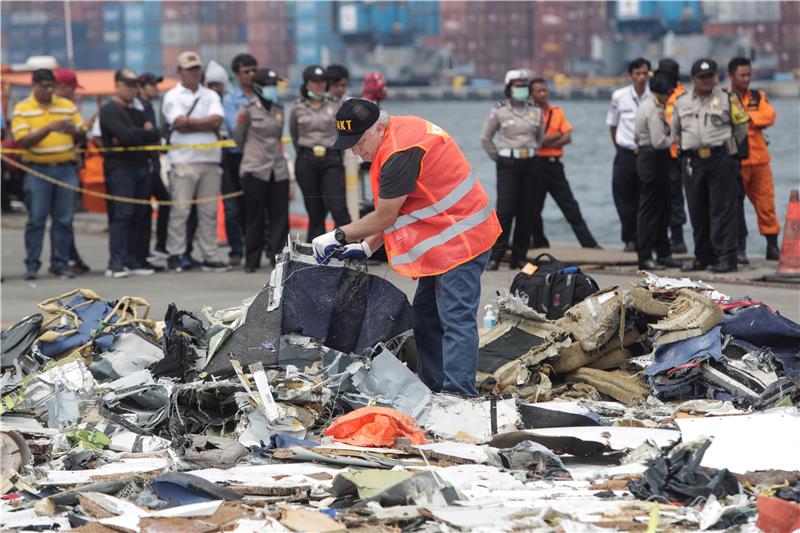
(233, 421)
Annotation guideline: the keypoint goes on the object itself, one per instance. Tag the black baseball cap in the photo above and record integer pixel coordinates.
(354, 118)
(148, 78)
(314, 73)
(265, 76)
(704, 66)
(669, 65)
(126, 75)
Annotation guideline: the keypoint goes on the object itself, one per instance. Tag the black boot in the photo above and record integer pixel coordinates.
(676, 243)
(630, 246)
(723, 265)
(741, 257)
(773, 252)
(493, 264)
(669, 262)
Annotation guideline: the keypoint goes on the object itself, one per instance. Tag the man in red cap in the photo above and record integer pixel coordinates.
(66, 85)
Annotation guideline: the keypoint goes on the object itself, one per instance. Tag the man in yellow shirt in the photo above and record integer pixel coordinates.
(47, 126)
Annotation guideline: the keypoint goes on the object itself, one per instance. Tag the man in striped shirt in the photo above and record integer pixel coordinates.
(47, 127)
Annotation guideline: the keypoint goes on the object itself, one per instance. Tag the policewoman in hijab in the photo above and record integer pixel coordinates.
(319, 168)
(519, 124)
(264, 171)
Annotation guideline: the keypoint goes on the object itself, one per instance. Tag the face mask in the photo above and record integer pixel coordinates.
(315, 96)
(520, 93)
(270, 92)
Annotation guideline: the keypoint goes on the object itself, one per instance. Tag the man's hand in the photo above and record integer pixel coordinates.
(181, 122)
(148, 126)
(359, 251)
(324, 246)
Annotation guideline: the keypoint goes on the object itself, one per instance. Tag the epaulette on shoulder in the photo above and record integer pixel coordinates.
(500, 103)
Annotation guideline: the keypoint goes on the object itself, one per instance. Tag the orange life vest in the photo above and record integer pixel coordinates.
(447, 220)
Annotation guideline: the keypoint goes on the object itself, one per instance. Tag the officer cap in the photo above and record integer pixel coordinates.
(354, 118)
(517, 74)
(314, 73)
(704, 66)
(266, 76)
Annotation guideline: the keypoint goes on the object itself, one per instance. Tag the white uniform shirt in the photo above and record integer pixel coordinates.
(622, 114)
(177, 102)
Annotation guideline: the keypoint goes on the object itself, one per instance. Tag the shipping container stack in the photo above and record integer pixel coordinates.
(316, 33)
(789, 54)
(33, 28)
(760, 21)
(563, 33)
(232, 35)
(113, 32)
(423, 17)
(495, 36)
(180, 31)
(268, 36)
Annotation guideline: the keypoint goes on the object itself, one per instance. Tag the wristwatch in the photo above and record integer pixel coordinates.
(339, 235)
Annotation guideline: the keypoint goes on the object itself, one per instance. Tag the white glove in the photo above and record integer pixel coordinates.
(358, 251)
(324, 246)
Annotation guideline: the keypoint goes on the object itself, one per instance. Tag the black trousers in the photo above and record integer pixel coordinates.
(741, 221)
(517, 187)
(653, 216)
(712, 193)
(625, 187)
(677, 214)
(550, 173)
(322, 181)
(159, 190)
(260, 196)
(234, 207)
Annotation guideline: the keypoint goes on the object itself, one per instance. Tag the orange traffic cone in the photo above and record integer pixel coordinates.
(789, 264)
(222, 234)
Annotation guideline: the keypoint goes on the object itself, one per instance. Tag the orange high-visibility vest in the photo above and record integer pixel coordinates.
(447, 220)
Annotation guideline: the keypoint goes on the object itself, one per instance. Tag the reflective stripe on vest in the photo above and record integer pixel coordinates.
(442, 205)
(419, 249)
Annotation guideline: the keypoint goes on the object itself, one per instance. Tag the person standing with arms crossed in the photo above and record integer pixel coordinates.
(756, 172)
(519, 124)
(621, 120)
(194, 114)
(709, 124)
(319, 167)
(654, 139)
(550, 170)
(434, 218)
(677, 216)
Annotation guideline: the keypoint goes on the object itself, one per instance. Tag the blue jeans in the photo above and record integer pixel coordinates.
(125, 227)
(446, 333)
(43, 199)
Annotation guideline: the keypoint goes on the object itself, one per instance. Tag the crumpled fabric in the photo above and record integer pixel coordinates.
(375, 426)
(761, 327)
(677, 477)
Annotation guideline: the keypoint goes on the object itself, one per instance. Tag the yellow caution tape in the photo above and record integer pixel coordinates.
(225, 143)
(114, 197)
(652, 524)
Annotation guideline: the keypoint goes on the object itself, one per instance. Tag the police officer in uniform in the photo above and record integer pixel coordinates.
(653, 138)
(319, 168)
(709, 124)
(519, 123)
(677, 216)
(264, 171)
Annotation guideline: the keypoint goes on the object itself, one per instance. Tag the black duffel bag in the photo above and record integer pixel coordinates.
(554, 287)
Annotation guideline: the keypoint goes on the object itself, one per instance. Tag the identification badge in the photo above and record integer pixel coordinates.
(715, 103)
(319, 151)
(704, 152)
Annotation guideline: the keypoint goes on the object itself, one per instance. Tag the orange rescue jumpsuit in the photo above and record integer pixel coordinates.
(756, 173)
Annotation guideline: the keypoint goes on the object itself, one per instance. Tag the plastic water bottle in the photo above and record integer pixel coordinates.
(489, 316)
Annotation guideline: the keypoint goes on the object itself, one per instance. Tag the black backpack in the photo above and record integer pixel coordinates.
(554, 287)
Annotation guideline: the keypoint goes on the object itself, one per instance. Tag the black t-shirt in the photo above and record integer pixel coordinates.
(400, 172)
